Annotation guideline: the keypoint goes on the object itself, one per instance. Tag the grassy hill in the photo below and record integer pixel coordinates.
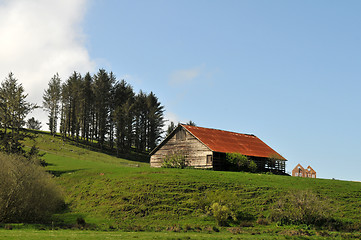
(111, 193)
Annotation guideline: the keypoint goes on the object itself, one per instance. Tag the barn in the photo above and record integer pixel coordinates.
(207, 148)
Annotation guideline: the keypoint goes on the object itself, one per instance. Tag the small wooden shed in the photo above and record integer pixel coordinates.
(207, 148)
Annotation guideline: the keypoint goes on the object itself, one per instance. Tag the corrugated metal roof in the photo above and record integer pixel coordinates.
(230, 142)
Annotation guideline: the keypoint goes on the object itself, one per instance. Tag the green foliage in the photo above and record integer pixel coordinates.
(71, 103)
(27, 193)
(51, 101)
(33, 124)
(34, 155)
(239, 162)
(191, 123)
(220, 213)
(224, 205)
(100, 109)
(124, 98)
(252, 166)
(155, 120)
(301, 207)
(171, 127)
(175, 160)
(13, 111)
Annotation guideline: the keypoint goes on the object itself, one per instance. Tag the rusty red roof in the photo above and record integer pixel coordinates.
(230, 142)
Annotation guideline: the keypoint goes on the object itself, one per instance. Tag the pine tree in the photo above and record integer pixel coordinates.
(112, 106)
(191, 123)
(51, 101)
(34, 124)
(70, 123)
(13, 111)
(102, 93)
(140, 121)
(86, 106)
(123, 116)
(155, 121)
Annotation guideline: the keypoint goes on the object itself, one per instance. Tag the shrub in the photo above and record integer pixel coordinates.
(175, 160)
(223, 205)
(252, 166)
(27, 192)
(220, 213)
(239, 162)
(303, 207)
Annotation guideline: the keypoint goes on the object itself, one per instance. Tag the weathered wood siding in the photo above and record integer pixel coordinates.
(183, 142)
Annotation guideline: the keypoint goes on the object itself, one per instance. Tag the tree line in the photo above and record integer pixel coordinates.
(102, 110)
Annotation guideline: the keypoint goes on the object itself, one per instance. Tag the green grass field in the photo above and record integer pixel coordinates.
(95, 235)
(125, 199)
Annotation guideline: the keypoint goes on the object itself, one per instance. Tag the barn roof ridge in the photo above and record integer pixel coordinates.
(226, 141)
(249, 134)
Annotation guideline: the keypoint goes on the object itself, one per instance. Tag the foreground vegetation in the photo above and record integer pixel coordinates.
(27, 192)
(111, 194)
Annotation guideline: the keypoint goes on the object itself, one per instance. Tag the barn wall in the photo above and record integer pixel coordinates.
(183, 142)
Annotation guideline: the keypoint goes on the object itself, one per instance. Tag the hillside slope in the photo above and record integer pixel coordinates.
(114, 193)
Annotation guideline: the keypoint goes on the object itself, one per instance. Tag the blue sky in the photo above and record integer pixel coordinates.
(287, 71)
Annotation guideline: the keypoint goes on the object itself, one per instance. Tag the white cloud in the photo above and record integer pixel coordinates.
(40, 38)
(185, 76)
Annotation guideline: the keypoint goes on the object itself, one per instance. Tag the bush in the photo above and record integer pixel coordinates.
(252, 166)
(27, 193)
(175, 160)
(220, 213)
(239, 162)
(303, 207)
(224, 205)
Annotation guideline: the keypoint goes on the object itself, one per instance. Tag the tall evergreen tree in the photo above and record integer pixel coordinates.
(102, 93)
(70, 124)
(123, 116)
(86, 106)
(155, 121)
(51, 101)
(140, 121)
(13, 111)
(112, 106)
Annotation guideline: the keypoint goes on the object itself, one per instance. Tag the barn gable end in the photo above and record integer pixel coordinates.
(181, 141)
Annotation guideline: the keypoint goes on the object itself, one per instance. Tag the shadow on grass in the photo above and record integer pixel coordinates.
(59, 173)
(66, 219)
(131, 154)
